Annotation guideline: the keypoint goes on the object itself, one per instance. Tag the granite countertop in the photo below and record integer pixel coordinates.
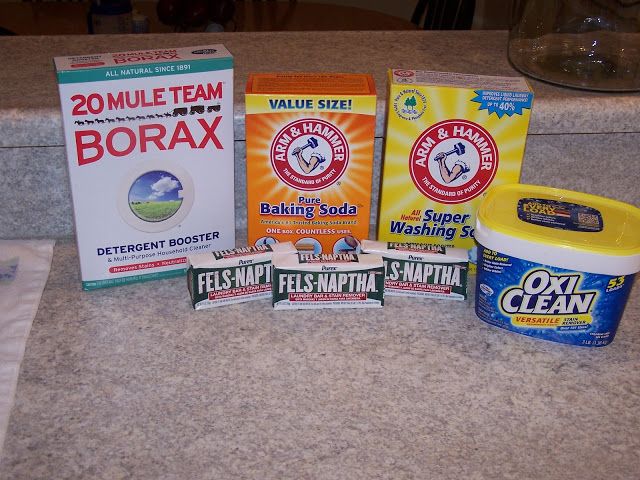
(131, 382)
(30, 109)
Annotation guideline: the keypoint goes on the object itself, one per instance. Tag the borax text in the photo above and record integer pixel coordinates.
(93, 144)
(121, 141)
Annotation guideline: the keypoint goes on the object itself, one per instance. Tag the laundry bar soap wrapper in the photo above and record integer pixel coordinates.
(149, 143)
(449, 137)
(422, 270)
(233, 276)
(342, 280)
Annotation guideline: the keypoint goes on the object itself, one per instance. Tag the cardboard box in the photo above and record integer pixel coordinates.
(233, 276)
(422, 270)
(327, 280)
(309, 159)
(449, 137)
(149, 140)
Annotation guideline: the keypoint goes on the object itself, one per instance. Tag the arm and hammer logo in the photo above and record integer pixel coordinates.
(404, 76)
(410, 104)
(309, 154)
(453, 161)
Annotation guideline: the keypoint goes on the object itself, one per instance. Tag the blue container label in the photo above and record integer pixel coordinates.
(551, 303)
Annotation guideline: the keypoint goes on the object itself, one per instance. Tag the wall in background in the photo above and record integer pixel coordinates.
(493, 14)
(490, 14)
(397, 8)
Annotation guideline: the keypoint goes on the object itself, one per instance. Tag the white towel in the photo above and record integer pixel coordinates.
(24, 268)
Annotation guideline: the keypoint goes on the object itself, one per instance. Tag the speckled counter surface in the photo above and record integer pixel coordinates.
(131, 383)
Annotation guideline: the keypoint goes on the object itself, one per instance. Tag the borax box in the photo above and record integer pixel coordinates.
(309, 159)
(449, 137)
(149, 141)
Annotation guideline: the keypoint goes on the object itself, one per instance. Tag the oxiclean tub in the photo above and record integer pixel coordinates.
(555, 264)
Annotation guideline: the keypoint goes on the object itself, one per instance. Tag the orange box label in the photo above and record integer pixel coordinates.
(309, 159)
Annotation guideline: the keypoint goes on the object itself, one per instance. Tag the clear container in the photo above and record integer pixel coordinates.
(589, 44)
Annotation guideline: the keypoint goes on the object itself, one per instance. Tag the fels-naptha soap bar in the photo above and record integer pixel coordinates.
(422, 270)
(233, 276)
(328, 280)
(449, 137)
(309, 159)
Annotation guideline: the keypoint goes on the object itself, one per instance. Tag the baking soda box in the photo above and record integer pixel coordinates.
(309, 159)
(149, 140)
(449, 137)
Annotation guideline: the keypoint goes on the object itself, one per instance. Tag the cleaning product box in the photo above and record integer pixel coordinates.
(422, 270)
(449, 136)
(149, 141)
(327, 280)
(309, 159)
(233, 276)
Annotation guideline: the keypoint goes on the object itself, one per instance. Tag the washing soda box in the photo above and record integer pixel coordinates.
(149, 143)
(309, 159)
(449, 136)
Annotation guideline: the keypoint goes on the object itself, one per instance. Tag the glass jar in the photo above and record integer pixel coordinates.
(590, 44)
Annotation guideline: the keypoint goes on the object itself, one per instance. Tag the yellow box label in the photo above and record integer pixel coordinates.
(449, 137)
(309, 160)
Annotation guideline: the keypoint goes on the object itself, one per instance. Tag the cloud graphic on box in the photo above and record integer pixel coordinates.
(164, 186)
